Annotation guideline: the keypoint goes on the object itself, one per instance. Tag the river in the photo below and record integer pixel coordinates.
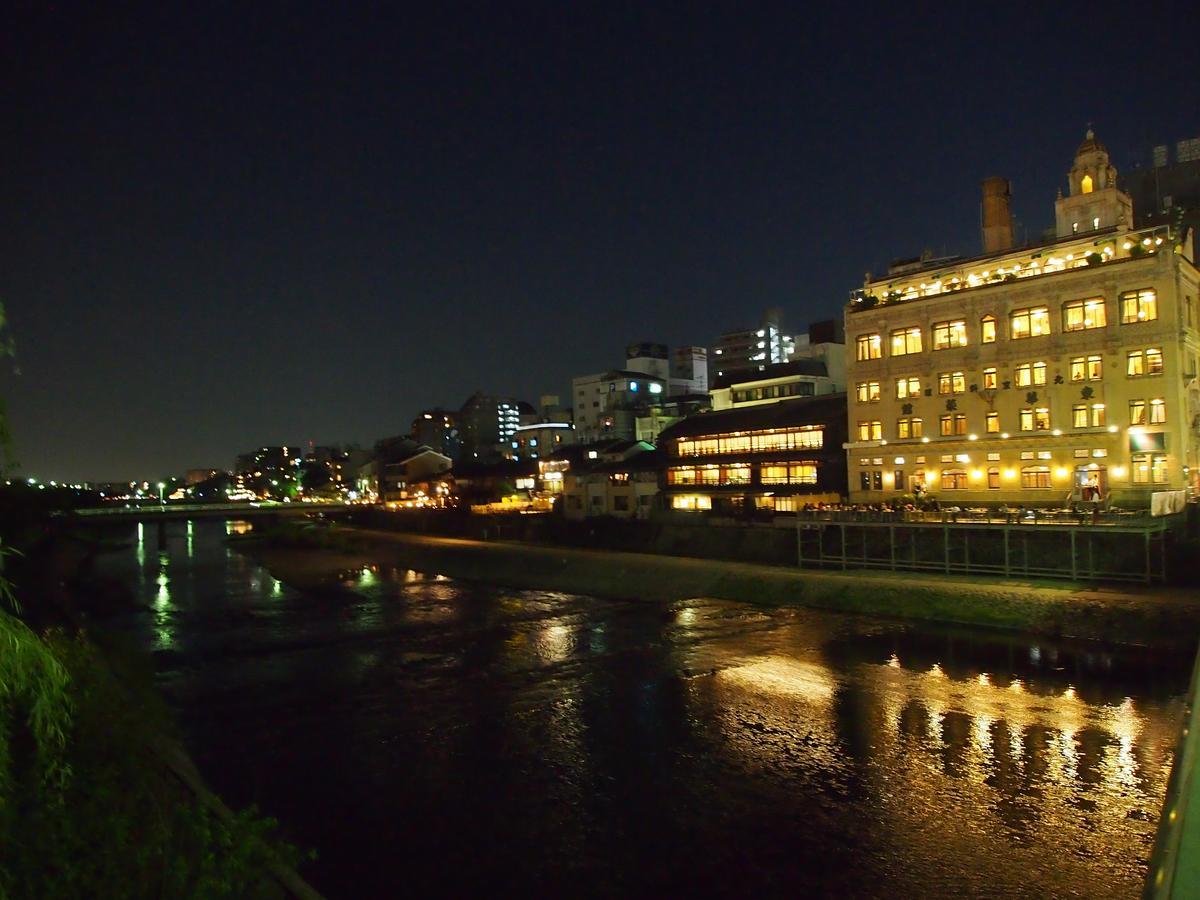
(430, 736)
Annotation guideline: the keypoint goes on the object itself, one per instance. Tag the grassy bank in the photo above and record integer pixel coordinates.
(1121, 615)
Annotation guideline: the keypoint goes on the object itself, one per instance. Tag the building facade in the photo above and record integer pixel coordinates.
(1057, 372)
(773, 457)
(781, 381)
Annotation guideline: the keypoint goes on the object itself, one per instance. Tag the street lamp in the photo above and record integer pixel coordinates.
(162, 500)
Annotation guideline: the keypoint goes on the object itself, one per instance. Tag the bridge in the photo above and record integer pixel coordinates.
(176, 511)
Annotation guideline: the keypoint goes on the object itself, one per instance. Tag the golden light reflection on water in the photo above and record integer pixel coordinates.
(1031, 772)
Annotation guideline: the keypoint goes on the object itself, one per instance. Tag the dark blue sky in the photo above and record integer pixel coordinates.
(227, 225)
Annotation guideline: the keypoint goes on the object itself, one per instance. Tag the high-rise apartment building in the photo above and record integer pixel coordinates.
(1060, 371)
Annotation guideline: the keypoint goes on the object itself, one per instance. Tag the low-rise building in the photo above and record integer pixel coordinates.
(775, 456)
(613, 478)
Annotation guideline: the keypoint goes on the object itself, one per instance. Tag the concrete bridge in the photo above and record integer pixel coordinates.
(176, 511)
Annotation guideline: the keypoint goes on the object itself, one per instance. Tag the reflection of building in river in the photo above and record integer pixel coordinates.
(1031, 769)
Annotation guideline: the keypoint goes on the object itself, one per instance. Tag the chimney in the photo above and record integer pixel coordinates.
(997, 215)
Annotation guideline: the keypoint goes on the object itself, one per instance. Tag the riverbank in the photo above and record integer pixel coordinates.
(1161, 616)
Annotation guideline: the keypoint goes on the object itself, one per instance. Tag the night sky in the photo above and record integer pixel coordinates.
(232, 225)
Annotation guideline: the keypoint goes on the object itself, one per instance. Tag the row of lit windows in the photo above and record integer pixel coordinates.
(740, 473)
(1077, 315)
(1145, 468)
(1030, 374)
(1030, 418)
(775, 391)
(804, 437)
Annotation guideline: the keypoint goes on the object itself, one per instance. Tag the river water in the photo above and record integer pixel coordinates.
(430, 736)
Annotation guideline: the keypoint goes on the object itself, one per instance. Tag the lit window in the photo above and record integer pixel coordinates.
(1035, 477)
(954, 480)
(993, 478)
(992, 423)
(951, 383)
(989, 378)
(1035, 419)
(1028, 374)
(909, 427)
(1135, 363)
(949, 334)
(954, 424)
(1139, 306)
(1158, 411)
(1086, 368)
(1149, 468)
(987, 330)
(1079, 415)
(907, 387)
(868, 391)
(1137, 412)
(1097, 415)
(1024, 323)
(1085, 184)
(868, 346)
(1154, 361)
(1080, 315)
(870, 431)
(906, 341)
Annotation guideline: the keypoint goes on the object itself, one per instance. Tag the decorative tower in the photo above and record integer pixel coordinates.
(1094, 201)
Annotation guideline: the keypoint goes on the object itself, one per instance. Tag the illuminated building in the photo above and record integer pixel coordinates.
(1040, 374)
(775, 456)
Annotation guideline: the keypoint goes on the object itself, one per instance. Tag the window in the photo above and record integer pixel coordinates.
(1158, 411)
(954, 480)
(1144, 362)
(991, 423)
(1035, 477)
(868, 346)
(868, 391)
(951, 383)
(1079, 415)
(1086, 368)
(953, 424)
(990, 380)
(908, 387)
(1097, 415)
(1137, 412)
(1149, 468)
(1028, 374)
(1139, 306)
(870, 431)
(909, 427)
(993, 478)
(1037, 419)
(1031, 322)
(987, 330)
(1135, 363)
(949, 334)
(1080, 315)
(906, 341)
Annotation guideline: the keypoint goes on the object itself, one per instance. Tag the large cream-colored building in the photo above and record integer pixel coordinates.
(1057, 372)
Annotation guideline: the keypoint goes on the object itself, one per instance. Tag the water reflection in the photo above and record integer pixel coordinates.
(694, 747)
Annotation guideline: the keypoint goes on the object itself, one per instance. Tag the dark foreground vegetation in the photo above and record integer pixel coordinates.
(96, 797)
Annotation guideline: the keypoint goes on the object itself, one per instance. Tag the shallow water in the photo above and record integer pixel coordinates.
(433, 736)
